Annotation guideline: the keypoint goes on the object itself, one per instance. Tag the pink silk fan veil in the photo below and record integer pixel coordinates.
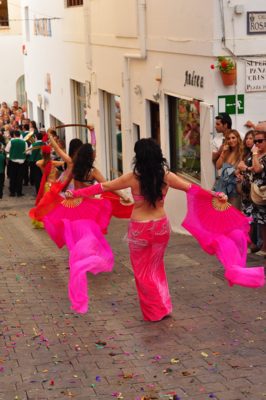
(222, 230)
(80, 224)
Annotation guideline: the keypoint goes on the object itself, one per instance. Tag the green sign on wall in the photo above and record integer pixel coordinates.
(228, 104)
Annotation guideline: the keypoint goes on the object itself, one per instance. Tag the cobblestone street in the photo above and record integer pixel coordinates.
(211, 346)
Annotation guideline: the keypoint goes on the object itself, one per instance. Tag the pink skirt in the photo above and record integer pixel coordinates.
(79, 224)
(147, 243)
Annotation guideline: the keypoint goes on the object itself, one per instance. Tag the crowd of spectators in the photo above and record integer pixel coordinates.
(240, 161)
(18, 134)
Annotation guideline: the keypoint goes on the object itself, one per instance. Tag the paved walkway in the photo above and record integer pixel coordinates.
(212, 345)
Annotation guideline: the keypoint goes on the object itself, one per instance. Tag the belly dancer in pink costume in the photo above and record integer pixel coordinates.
(80, 224)
(149, 228)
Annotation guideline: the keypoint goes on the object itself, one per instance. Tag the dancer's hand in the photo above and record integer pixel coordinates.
(222, 196)
(50, 130)
(127, 200)
(69, 194)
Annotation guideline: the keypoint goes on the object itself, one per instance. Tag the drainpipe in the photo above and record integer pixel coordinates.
(141, 56)
(86, 11)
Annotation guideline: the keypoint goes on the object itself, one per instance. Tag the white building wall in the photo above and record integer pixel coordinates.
(62, 56)
(12, 67)
(180, 37)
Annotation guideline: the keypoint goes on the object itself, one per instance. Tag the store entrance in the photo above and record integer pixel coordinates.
(155, 122)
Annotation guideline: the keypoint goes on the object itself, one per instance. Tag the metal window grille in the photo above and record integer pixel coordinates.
(71, 3)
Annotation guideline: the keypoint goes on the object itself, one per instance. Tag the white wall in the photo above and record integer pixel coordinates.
(12, 67)
(180, 37)
(62, 56)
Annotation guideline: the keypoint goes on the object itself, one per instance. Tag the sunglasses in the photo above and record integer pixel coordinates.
(258, 141)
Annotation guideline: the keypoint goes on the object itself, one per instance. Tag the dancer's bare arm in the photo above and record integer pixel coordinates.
(112, 186)
(176, 183)
(59, 151)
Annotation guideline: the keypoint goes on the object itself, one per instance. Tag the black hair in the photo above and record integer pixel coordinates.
(26, 126)
(39, 136)
(225, 119)
(33, 123)
(149, 167)
(74, 146)
(2, 139)
(83, 162)
(15, 133)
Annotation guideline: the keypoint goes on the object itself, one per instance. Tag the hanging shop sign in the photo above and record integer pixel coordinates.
(256, 75)
(228, 104)
(193, 80)
(256, 22)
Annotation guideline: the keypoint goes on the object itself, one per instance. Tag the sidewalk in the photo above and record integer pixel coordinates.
(213, 343)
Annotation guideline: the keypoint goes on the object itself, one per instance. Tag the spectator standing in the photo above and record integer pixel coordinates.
(17, 158)
(24, 133)
(33, 128)
(229, 159)
(45, 136)
(223, 125)
(244, 178)
(257, 166)
(2, 164)
(35, 156)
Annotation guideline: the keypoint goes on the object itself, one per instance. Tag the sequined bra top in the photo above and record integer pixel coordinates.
(139, 198)
(86, 180)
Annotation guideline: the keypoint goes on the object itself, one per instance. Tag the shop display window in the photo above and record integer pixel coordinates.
(184, 129)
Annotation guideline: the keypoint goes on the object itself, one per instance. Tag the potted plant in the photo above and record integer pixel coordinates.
(227, 68)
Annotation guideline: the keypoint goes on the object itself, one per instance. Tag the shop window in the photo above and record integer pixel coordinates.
(4, 21)
(184, 129)
(72, 3)
(81, 111)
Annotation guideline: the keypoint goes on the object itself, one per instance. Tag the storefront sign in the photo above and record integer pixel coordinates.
(193, 80)
(256, 75)
(227, 104)
(256, 22)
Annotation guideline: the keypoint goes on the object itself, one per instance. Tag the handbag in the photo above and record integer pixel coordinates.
(257, 194)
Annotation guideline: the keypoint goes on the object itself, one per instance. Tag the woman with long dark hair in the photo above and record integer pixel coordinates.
(149, 228)
(80, 224)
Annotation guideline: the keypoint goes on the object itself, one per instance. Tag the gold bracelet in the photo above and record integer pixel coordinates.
(254, 154)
